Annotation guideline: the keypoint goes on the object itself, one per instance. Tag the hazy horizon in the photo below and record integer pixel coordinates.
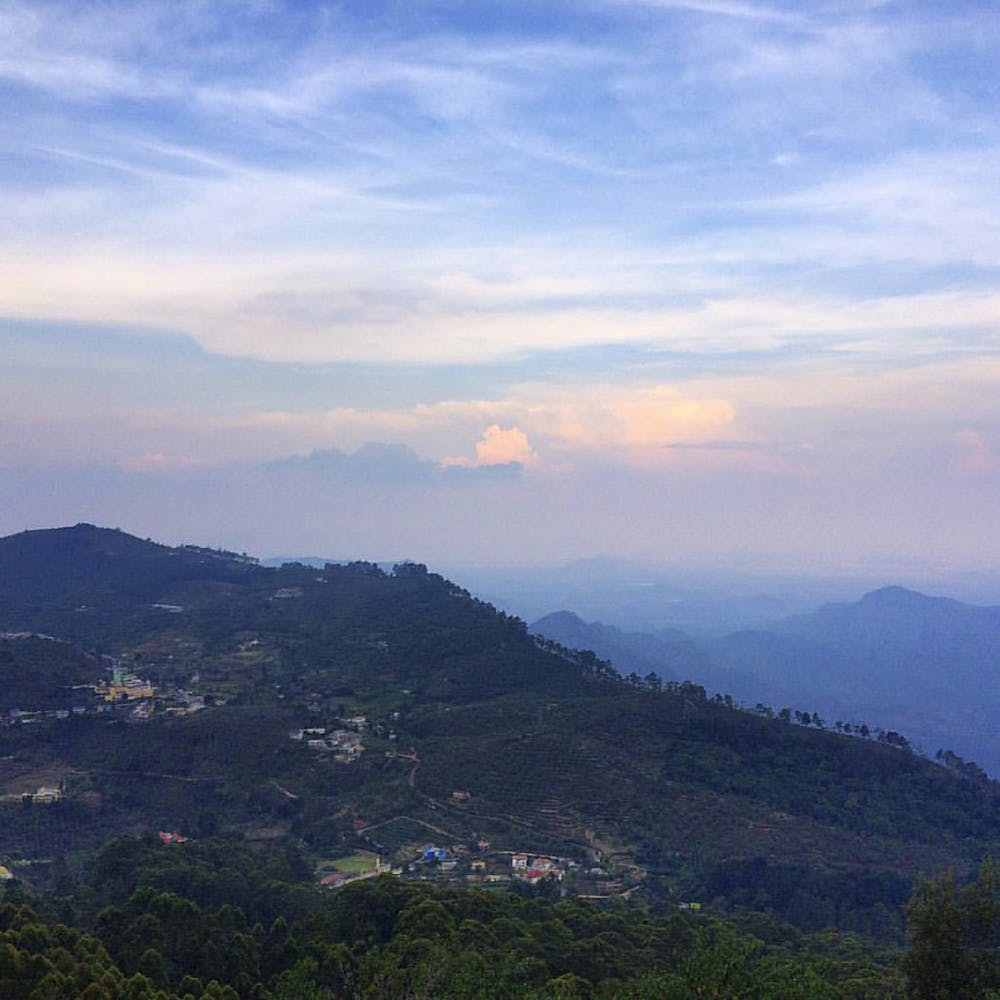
(702, 283)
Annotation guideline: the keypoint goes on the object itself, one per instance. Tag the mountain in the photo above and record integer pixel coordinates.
(669, 653)
(909, 620)
(348, 707)
(643, 598)
(928, 667)
(85, 582)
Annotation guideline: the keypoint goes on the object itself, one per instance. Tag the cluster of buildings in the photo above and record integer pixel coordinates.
(124, 687)
(459, 861)
(127, 691)
(19, 716)
(46, 795)
(532, 869)
(143, 698)
(346, 745)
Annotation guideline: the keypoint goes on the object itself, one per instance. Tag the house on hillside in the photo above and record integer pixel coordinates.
(519, 861)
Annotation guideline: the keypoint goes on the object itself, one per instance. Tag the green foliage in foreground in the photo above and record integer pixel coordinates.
(388, 939)
(125, 934)
(955, 938)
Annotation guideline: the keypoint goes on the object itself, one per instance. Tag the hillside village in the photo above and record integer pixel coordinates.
(475, 863)
(134, 698)
(118, 691)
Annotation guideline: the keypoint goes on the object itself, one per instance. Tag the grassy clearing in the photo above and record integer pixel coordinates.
(353, 864)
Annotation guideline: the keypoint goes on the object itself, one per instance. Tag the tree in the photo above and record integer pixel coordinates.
(954, 950)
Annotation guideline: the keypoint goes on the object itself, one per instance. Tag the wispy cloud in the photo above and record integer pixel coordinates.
(724, 8)
(669, 238)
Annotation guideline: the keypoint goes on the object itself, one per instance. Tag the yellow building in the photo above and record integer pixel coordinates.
(128, 688)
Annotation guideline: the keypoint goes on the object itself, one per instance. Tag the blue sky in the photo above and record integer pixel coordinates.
(692, 281)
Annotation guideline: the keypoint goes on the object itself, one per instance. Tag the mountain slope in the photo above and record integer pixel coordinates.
(548, 749)
(928, 667)
(668, 652)
(84, 581)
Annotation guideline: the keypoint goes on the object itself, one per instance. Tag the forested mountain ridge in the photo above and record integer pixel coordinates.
(85, 582)
(434, 718)
(928, 667)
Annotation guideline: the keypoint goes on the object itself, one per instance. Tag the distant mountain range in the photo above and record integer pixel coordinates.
(701, 601)
(928, 667)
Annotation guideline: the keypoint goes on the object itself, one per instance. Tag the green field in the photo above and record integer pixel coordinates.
(352, 864)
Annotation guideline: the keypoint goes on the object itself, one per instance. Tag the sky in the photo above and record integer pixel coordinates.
(705, 283)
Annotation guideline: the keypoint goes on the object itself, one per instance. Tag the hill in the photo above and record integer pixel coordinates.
(670, 653)
(85, 582)
(924, 666)
(349, 707)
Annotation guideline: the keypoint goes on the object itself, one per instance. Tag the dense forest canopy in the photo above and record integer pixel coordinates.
(214, 919)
